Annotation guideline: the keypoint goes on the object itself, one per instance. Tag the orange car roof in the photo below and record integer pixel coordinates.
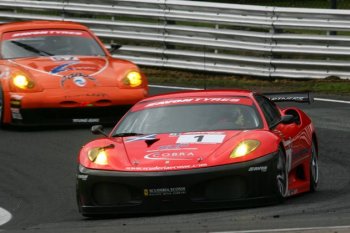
(40, 24)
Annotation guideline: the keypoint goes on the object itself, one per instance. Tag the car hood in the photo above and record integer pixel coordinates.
(177, 151)
(156, 152)
(66, 71)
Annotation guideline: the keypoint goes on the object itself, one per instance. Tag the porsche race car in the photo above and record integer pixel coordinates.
(55, 72)
(199, 150)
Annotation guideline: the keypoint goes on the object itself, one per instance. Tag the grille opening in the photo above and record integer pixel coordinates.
(104, 102)
(226, 188)
(111, 194)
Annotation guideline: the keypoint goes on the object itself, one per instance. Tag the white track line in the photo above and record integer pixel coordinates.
(312, 229)
(190, 88)
(331, 100)
(5, 216)
(175, 87)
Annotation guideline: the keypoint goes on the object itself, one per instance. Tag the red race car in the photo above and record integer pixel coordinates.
(58, 72)
(198, 150)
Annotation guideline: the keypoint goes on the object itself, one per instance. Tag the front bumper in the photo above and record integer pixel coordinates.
(236, 185)
(75, 106)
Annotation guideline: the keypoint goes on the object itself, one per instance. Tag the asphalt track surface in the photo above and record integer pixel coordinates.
(37, 186)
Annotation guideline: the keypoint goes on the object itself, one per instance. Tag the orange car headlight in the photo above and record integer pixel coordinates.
(133, 79)
(22, 81)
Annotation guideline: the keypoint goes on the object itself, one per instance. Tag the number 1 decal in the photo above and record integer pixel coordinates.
(201, 138)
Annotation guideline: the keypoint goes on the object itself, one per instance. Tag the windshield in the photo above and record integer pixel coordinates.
(35, 43)
(190, 118)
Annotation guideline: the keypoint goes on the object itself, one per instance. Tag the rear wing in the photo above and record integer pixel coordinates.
(300, 97)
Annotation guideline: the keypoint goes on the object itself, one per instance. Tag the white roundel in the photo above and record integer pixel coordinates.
(79, 81)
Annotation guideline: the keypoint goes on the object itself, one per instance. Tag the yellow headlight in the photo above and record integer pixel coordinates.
(244, 148)
(21, 81)
(133, 79)
(98, 155)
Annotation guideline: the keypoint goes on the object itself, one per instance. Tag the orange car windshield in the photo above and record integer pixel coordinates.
(34, 43)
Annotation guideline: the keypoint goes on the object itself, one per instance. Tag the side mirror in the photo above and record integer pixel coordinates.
(98, 129)
(287, 119)
(114, 47)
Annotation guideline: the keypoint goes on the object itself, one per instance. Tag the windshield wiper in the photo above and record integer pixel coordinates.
(31, 48)
(126, 134)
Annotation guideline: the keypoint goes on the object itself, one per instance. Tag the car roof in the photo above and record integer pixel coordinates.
(40, 24)
(202, 93)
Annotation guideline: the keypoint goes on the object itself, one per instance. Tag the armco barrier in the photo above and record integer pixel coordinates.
(208, 36)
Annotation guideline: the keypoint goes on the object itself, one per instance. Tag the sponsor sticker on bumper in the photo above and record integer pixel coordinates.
(164, 191)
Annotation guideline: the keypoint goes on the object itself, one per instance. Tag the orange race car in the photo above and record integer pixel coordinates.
(55, 72)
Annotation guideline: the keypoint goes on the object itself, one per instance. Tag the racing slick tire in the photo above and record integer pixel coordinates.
(281, 179)
(314, 173)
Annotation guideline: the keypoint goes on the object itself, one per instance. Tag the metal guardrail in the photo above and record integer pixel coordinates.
(208, 36)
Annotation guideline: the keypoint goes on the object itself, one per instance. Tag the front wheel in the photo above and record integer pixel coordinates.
(314, 175)
(281, 179)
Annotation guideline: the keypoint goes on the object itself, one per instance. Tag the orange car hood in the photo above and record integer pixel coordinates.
(54, 72)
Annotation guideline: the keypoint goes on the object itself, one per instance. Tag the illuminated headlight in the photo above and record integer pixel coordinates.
(98, 155)
(244, 148)
(133, 79)
(22, 81)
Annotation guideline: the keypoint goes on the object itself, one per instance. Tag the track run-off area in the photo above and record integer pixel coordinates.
(37, 185)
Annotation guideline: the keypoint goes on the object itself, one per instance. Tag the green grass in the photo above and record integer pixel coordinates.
(259, 84)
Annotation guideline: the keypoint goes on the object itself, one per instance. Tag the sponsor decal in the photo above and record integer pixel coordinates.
(62, 68)
(193, 100)
(86, 120)
(64, 58)
(170, 156)
(258, 169)
(288, 98)
(16, 114)
(173, 147)
(79, 81)
(201, 138)
(86, 95)
(16, 97)
(292, 192)
(167, 168)
(15, 102)
(164, 191)
(76, 76)
(38, 33)
(142, 138)
(72, 65)
(199, 132)
(82, 177)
